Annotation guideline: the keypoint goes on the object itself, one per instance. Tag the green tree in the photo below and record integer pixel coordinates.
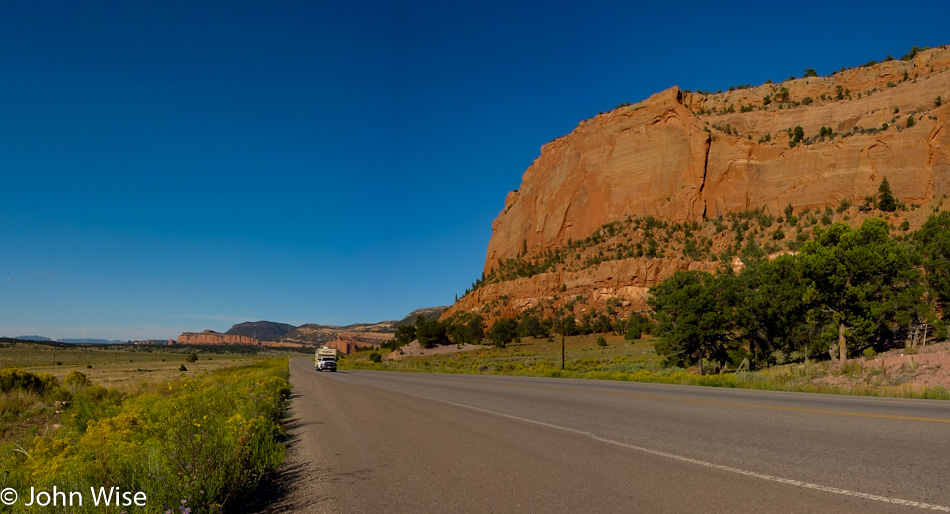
(430, 333)
(474, 330)
(531, 326)
(885, 199)
(799, 133)
(637, 325)
(782, 95)
(694, 318)
(860, 284)
(405, 334)
(769, 309)
(503, 332)
(570, 325)
(933, 243)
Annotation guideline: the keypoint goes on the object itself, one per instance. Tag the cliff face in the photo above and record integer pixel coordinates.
(671, 157)
(212, 337)
(349, 342)
(692, 157)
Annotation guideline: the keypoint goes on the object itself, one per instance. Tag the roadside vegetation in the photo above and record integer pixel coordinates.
(743, 234)
(637, 361)
(831, 294)
(199, 442)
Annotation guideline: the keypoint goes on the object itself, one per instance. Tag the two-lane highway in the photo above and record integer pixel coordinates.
(367, 441)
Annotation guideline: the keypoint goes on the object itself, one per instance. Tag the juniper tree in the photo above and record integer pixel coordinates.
(885, 199)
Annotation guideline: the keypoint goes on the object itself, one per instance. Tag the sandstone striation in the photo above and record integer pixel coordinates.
(691, 156)
(661, 157)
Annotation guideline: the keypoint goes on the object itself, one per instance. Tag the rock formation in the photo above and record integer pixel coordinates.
(349, 342)
(262, 330)
(211, 337)
(692, 157)
(661, 157)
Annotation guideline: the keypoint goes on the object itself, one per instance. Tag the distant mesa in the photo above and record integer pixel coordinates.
(210, 337)
(346, 339)
(261, 330)
(33, 338)
(91, 341)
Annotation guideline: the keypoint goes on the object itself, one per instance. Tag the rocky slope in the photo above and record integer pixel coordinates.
(690, 158)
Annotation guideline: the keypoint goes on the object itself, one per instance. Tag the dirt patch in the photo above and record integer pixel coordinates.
(918, 368)
(414, 349)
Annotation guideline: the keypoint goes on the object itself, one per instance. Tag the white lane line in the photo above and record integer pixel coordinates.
(720, 467)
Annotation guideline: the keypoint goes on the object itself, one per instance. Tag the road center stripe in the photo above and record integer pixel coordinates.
(681, 458)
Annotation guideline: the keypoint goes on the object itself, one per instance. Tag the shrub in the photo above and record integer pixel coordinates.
(375, 357)
(799, 133)
(77, 379)
(182, 368)
(601, 341)
(910, 121)
(16, 378)
(869, 353)
(192, 357)
(202, 445)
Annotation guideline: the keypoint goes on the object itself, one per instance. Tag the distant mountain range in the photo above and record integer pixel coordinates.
(69, 341)
(310, 333)
(316, 334)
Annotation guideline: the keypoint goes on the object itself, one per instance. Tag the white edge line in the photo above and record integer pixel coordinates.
(720, 467)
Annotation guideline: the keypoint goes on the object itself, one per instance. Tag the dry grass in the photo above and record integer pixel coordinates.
(906, 376)
(128, 369)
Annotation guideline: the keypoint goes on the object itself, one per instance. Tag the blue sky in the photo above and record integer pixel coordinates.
(172, 166)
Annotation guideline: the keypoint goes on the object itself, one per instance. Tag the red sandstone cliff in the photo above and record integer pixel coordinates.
(349, 342)
(682, 156)
(213, 338)
(664, 157)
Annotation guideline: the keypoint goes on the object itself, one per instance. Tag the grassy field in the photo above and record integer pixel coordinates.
(637, 361)
(196, 440)
(127, 368)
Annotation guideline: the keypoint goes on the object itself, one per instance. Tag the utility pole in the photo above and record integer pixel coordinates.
(554, 313)
(562, 344)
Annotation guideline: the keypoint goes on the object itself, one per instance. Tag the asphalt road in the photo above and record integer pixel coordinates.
(367, 441)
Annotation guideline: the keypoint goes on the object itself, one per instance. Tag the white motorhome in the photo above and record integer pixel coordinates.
(325, 359)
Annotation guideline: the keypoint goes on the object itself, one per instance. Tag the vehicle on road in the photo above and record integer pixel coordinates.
(325, 359)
